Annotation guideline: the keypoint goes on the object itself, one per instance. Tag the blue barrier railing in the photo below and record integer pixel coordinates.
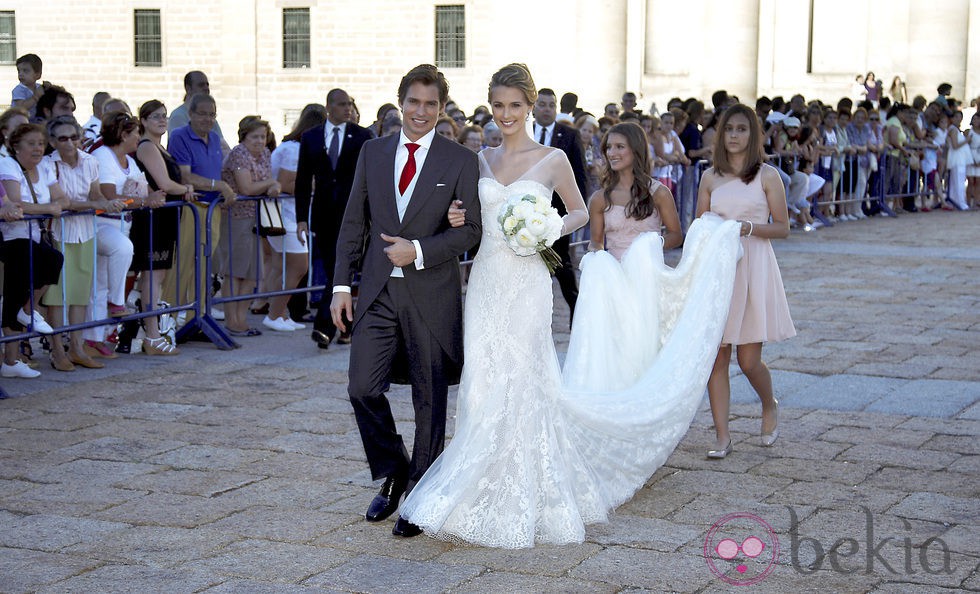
(215, 332)
(147, 311)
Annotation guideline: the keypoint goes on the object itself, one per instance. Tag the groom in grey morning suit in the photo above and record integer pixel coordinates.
(408, 319)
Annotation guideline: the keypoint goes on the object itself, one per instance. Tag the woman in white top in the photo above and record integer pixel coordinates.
(673, 153)
(973, 170)
(29, 181)
(77, 173)
(957, 159)
(119, 178)
(9, 120)
(292, 248)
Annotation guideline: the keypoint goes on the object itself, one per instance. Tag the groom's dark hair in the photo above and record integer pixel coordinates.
(427, 74)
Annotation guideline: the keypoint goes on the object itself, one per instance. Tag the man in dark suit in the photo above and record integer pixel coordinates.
(324, 174)
(409, 306)
(550, 133)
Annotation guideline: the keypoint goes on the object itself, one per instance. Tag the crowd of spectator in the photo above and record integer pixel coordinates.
(102, 245)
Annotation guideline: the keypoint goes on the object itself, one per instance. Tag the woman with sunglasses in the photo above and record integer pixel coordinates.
(119, 178)
(77, 173)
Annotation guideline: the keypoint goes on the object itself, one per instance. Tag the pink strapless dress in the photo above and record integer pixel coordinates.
(759, 311)
(621, 230)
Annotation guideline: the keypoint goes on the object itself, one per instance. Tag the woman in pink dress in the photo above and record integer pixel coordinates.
(741, 187)
(630, 202)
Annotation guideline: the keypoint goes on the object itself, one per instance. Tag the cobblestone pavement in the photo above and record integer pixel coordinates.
(243, 472)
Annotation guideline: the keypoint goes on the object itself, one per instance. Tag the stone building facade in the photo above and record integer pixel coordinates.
(255, 52)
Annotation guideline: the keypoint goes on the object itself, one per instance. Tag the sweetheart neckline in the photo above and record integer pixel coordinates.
(502, 185)
(521, 177)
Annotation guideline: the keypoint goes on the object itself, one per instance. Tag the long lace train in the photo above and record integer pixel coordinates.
(539, 453)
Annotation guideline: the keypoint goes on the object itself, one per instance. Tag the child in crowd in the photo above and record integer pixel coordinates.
(27, 92)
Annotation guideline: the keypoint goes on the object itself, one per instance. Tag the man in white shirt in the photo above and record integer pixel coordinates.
(93, 127)
(324, 175)
(409, 309)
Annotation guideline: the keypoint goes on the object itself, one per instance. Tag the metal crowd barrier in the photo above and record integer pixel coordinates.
(64, 327)
(214, 331)
(882, 185)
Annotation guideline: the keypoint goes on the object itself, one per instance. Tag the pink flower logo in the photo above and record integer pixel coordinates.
(741, 549)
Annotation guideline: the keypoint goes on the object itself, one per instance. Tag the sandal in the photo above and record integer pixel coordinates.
(83, 360)
(159, 346)
(246, 332)
(62, 364)
(98, 349)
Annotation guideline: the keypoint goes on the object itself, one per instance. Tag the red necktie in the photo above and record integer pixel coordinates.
(409, 171)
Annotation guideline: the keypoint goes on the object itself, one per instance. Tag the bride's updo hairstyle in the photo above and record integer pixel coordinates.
(516, 76)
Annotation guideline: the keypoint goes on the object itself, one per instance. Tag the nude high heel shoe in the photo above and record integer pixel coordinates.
(719, 454)
(768, 439)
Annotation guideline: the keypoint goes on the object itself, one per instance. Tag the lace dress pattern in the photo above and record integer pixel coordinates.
(538, 455)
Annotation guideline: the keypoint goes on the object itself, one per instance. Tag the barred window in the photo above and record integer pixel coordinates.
(451, 36)
(295, 37)
(8, 37)
(149, 47)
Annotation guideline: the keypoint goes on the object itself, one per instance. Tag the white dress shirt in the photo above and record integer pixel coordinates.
(402, 200)
(328, 133)
(549, 133)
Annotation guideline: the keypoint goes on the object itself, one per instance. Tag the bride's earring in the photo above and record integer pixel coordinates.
(527, 117)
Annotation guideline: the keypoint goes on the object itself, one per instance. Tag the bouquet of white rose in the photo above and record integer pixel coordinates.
(530, 225)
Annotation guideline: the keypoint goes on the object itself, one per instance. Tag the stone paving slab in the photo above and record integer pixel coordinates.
(133, 579)
(243, 472)
(383, 574)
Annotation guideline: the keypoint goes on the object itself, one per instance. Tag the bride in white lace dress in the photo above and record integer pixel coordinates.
(537, 455)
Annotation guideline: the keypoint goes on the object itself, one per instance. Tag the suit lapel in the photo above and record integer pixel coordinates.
(426, 181)
(321, 152)
(386, 171)
(557, 137)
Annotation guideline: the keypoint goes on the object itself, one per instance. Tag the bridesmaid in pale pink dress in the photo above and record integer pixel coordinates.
(741, 187)
(630, 202)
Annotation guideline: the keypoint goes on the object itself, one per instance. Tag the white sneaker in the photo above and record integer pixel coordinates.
(817, 224)
(18, 369)
(296, 325)
(217, 313)
(278, 324)
(34, 321)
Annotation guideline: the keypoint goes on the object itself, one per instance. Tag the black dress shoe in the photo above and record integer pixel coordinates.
(386, 501)
(321, 339)
(405, 528)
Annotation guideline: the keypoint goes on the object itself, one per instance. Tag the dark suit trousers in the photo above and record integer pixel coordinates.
(391, 324)
(566, 274)
(326, 246)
